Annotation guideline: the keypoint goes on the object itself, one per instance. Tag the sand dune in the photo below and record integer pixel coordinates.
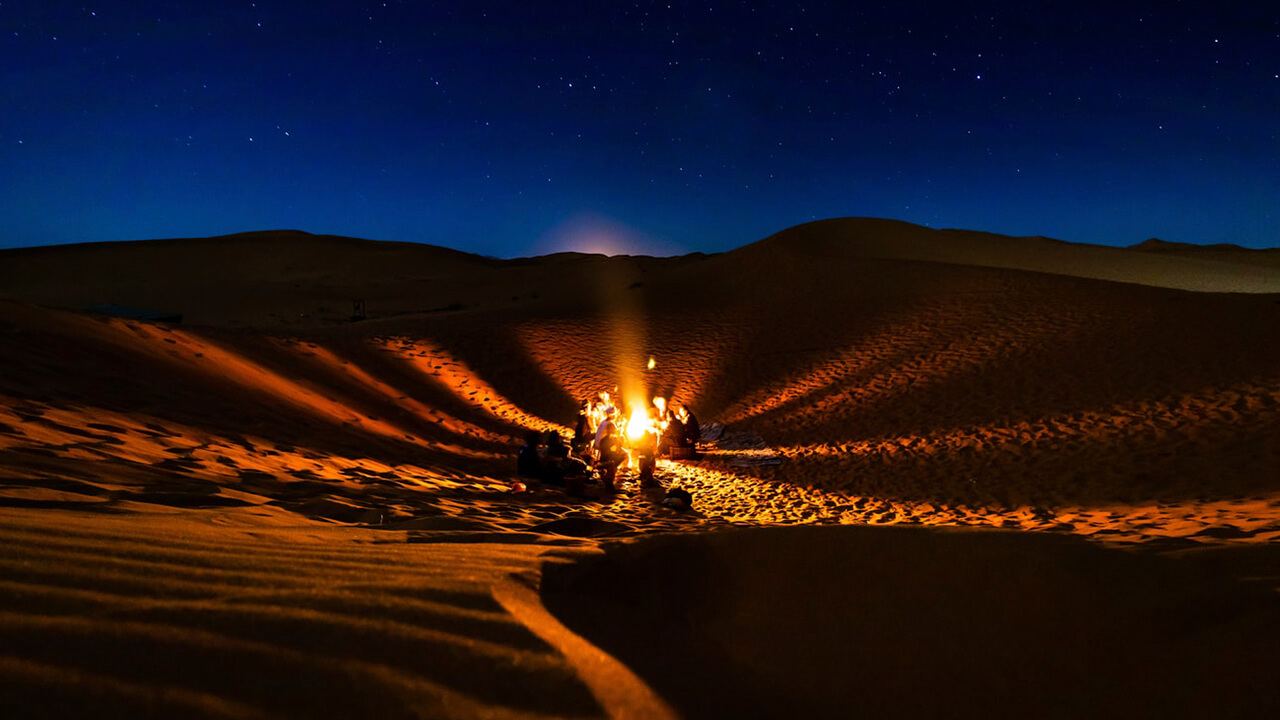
(942, 623)
(1188, 268)
(1224, 252)
(270, 510)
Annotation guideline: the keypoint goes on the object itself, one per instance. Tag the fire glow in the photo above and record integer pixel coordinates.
(638, 424)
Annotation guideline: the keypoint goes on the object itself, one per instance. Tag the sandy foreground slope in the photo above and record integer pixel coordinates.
(271, 511)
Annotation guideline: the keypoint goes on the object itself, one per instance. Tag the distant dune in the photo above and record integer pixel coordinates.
(1221, 252)
(272, 509)
(1185, 267)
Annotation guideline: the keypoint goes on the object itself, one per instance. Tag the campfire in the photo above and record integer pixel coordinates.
(642, 426)
(615, 429)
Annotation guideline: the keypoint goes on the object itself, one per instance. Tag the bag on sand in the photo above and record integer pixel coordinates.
(678, 499)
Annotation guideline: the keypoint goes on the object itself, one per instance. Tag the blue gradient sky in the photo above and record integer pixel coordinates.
(514, 128)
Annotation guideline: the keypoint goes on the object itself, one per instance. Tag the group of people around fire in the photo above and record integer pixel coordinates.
(607, 436)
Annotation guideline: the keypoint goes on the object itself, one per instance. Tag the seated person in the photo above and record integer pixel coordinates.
(555, 445)
(647, 458)
(611, 455)
(529, 462)
(691, 432)
(672, 435)
(559, 468)
(582, 428)
(608, 424)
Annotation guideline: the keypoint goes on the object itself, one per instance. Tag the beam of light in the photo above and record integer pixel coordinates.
(439, 366)
(213, 359)
(626, 328)
(579, 354)
(627, 333)
(420, 410)
(892, 343)
(617, 281)
(913, 351)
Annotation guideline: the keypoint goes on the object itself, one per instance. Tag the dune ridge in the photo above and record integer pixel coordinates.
(1189, 268)
(269, 510)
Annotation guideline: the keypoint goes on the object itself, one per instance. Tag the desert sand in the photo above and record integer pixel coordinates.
(945, 473)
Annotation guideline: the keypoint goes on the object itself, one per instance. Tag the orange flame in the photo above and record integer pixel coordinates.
(638, 423)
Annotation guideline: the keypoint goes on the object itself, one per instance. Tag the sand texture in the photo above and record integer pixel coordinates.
(269, 510)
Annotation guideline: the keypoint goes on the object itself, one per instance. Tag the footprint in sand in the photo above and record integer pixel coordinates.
(241, 441)
(182, 465)
(159, 430)
(1225, 532)
(184, 500)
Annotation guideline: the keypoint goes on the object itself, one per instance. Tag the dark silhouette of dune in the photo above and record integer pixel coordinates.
(1236, 271)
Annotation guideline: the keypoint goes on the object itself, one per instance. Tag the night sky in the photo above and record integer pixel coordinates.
(518, 128)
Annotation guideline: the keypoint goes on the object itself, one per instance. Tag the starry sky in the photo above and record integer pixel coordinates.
(519, 128)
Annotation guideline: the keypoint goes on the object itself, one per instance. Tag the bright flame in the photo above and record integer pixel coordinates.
(652, 363)
(638, 424)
